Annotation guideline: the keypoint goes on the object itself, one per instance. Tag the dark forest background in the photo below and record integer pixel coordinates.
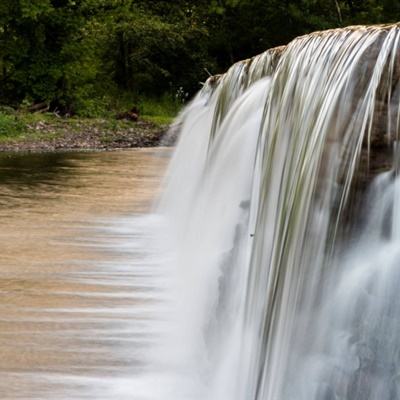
(85, 57)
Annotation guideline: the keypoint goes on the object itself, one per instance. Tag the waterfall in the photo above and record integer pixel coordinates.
(282, 215)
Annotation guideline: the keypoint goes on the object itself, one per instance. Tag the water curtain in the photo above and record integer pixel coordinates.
(283, 209)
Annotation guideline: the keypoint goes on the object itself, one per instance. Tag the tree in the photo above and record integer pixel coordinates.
(34, 43)
(72, 54)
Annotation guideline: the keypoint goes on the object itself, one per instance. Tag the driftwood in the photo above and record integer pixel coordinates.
(39, 108)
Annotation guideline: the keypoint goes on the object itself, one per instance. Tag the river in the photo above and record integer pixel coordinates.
(77, 259)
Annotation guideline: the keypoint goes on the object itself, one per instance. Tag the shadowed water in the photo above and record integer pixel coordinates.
(78, 272)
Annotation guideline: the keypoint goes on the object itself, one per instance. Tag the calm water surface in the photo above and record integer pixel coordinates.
(76, 265)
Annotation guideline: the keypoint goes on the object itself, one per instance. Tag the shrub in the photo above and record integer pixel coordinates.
(10, 125)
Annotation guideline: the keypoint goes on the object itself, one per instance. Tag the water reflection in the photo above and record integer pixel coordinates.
(75, 260)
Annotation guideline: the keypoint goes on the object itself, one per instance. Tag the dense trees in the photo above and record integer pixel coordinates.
(77, 55)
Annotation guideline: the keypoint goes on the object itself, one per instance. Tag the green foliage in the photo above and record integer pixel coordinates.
(95, 57)
(10, 125)
(151, 54)
(161, 111)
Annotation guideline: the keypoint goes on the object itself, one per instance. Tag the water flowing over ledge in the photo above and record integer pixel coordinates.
(283, 210)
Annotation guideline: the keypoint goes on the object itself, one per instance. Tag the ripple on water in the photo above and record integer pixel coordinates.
(80, 277)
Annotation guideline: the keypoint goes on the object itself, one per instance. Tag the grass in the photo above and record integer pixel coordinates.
(161, 120)
(160, 111)
(16, 126)
(10, 125)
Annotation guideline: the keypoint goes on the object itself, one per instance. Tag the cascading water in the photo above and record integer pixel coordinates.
(282, 213)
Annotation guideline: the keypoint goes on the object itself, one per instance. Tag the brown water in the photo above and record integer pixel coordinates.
(76, 248)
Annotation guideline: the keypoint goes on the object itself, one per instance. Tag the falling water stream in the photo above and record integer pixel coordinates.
(282, 206)
(270, 267)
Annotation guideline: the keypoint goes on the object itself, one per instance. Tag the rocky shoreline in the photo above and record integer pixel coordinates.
(99, 134)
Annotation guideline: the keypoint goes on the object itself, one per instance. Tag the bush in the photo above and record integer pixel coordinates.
(10, 125)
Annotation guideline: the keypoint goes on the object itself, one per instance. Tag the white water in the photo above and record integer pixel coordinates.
(271, 270)
(284, 257)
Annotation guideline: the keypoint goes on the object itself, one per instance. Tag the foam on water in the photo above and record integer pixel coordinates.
(283, 253)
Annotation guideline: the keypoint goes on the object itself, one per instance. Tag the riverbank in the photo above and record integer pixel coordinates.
(48, 132)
